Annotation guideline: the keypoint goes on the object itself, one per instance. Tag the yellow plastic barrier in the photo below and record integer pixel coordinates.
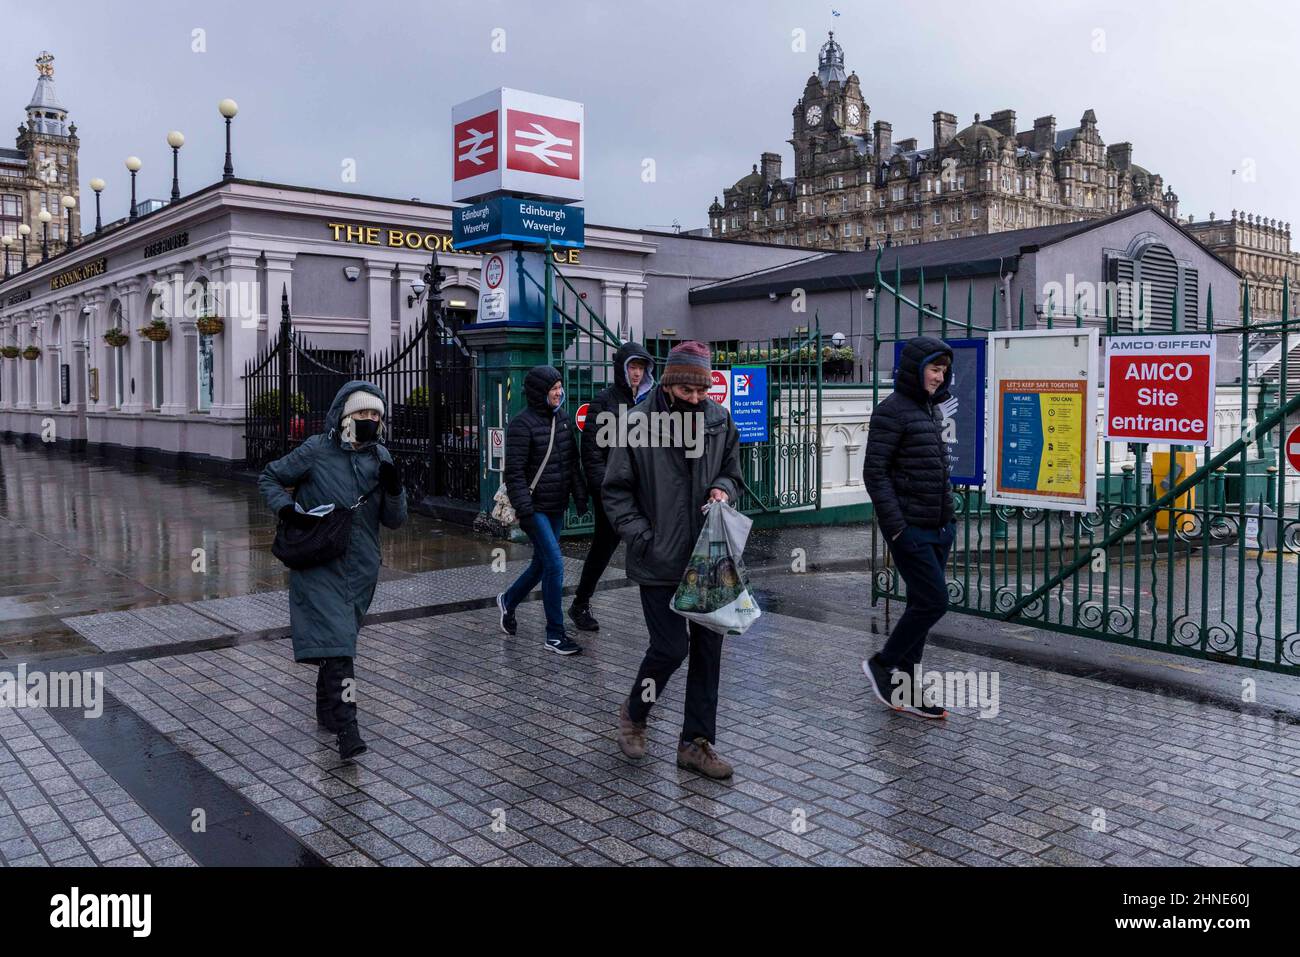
(1181, 464)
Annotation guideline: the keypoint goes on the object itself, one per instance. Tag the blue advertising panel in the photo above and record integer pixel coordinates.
(749, 402)
(965, 407)
(505, 219)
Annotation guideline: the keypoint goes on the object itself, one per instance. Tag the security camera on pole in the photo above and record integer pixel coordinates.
(518, 161)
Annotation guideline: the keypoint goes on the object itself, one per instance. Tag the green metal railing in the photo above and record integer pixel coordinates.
(1204, 565)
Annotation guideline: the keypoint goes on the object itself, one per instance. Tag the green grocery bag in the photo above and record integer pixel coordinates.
(714, 590)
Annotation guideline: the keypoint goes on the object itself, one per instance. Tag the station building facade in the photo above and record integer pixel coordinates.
(346, 261)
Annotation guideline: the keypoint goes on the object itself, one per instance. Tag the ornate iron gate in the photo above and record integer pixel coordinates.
(1205, 566)
(428, 378)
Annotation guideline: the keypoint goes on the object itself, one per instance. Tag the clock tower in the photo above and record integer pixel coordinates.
(831, 107)
(40, 172)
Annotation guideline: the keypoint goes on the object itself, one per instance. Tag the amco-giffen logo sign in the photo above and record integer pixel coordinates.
(512, 141)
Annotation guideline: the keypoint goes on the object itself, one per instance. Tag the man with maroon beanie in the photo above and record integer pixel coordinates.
(655, 493)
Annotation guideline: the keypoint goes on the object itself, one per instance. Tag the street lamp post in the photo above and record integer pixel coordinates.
(228, 108)
(69, 202)
(45, 216)
(176, 139)
(24, 231)
(133, 164)
(7, 241)
(97, 185)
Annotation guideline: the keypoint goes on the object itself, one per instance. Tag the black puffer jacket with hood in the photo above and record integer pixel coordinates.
(527, 437)
(616, 399)
(906, 468)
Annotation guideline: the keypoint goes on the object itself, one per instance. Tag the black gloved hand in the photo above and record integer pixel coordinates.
(292, 517)
(529, 523)
(390, 477)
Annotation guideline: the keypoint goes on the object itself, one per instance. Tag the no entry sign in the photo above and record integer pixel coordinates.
(581, 417)
(1160, 389)
(719, 391)
(1293, 448)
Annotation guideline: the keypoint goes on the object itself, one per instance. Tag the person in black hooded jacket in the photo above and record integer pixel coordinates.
(906, 472)
(539, 486)
(633, 380)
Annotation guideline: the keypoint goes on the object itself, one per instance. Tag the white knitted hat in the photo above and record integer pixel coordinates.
(363, 399)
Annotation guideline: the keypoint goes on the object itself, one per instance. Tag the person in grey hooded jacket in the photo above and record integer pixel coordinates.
(342, 465)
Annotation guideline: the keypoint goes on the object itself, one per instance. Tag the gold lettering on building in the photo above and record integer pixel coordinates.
(398, 238)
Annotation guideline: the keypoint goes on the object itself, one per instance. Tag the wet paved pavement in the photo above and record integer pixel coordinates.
(486, 749)
(81, 537)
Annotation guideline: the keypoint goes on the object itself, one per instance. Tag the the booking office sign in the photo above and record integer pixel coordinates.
(87, 270)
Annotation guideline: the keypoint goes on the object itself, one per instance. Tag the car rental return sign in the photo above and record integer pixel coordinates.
(1160, 388)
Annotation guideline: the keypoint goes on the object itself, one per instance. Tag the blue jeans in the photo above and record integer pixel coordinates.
(547, 567)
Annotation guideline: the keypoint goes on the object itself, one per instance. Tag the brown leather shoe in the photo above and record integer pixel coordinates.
(700, 756)
(631, 734)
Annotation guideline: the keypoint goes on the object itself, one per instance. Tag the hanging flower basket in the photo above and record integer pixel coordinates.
(32, 352)
(210, 325)
(10, 352)
(116, 338)
(157, 331)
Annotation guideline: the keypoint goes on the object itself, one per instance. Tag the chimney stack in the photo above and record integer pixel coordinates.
(1044, 133)
(883, 135)
(945, 128)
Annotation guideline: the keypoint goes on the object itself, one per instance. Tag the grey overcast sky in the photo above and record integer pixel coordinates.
(1199, 88)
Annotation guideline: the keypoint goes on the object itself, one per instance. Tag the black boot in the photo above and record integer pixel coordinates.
(324, 710)
(350, 743)
(582, 617)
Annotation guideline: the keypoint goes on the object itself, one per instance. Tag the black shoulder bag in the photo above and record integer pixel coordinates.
(326, 539)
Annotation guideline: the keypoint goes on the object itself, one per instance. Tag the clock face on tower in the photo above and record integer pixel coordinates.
(814, 115)
(855, 115)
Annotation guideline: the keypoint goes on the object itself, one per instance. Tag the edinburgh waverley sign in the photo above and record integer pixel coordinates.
(96, 267)
(504, 219)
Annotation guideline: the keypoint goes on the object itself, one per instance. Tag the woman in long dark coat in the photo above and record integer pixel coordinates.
(328, 602)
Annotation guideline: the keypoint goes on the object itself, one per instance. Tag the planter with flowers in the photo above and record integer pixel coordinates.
(32, 352)
(156, 330)
(210, 325)
(116, 338)
(10, 352)
(838, 363)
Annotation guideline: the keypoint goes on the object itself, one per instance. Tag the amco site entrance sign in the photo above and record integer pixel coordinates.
(1160, 388)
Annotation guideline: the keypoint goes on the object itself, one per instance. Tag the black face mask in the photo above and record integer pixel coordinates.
(681, 405)
(366, 429)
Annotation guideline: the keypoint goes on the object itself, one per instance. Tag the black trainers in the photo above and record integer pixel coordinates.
(881, 680)
(912, 701)
(581, 615)
(350, 743)
(564, 646)
(508, 623)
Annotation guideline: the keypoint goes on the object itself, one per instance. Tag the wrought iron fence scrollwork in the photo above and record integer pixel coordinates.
(429, 381)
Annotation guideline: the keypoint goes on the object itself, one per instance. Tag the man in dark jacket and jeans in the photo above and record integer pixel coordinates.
(906, 473)
(632, 381)
(655, 493)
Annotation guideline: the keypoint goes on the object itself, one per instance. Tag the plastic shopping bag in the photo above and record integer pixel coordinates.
(715, 590)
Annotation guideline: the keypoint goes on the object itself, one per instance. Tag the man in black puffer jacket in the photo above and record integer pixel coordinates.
(633, 380)
(539, 486)
(906, 472)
